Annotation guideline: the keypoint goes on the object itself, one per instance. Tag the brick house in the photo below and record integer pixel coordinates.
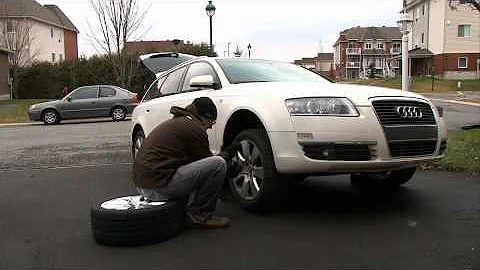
(143, 47)
(4, 87)
(358, 50)
(51, 35)
(322, 63)
(445, 38)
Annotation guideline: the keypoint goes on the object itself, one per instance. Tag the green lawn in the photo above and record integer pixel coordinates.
(15, 111)
(463, 152)
(423, 84)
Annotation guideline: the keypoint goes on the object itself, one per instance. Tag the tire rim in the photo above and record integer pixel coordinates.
(129, 203)
(118, 113)
(137, 144)
(248, 182)
(50, 117)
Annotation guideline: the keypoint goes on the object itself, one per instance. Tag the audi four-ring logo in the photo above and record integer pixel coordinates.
(409, 112)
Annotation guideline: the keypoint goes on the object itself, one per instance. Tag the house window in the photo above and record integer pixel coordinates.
(423, 38)
(423, 10)
(380, 46)
(60, 57)
(368, 46)
(462, 62)
(53, 57)
(10, 27)
(51, 32)
(464, 30)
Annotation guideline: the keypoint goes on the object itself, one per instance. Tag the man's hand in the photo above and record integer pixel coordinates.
(229, 151)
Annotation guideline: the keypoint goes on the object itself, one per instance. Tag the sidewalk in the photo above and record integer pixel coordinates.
(466, 97)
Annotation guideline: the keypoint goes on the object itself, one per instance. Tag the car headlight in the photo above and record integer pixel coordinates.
(331, 106)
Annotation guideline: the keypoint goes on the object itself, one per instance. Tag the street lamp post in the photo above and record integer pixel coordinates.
(210, 9)
(249, 47)
(404, 24)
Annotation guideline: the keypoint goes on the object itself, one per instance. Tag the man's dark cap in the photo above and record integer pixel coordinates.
(205, 107)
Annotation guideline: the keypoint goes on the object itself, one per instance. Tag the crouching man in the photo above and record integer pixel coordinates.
(175, 162)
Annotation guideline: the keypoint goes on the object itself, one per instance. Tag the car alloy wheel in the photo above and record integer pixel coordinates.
(118, 114)
(50, 117)
(137, 143)
(249, 181)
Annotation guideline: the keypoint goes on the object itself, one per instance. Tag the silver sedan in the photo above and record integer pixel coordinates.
(87, 102)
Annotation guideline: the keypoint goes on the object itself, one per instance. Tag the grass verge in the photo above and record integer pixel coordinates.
(463, 152)
(423, 84)
(16, 110)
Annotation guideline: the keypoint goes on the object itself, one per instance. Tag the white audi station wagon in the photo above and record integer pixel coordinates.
(293, 123)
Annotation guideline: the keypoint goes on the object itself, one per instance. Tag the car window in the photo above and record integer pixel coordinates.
(154, 89)
(85, 92)
(197, 69)
(170, 86)
(107, 91)
(248, 71)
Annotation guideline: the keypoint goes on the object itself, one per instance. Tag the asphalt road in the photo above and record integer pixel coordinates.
(51, 175)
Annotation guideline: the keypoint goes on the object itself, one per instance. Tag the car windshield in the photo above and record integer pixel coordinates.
(249, 71)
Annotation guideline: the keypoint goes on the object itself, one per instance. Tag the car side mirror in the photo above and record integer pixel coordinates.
(205, 81)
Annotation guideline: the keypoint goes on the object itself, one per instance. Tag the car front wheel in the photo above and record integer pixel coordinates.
(257, 186)
(50, 117)
(384, 180)
(137, 143)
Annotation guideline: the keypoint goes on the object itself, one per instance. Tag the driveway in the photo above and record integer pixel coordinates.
(431, 223)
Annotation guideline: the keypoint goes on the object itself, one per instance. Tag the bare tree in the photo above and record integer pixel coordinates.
(118, 21)
(16, 35)
(475, 3)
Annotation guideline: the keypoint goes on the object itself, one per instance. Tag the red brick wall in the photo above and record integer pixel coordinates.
(71, 45)
(449, 62)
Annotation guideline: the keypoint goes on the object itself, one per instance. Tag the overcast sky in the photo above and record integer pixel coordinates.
(276, 29)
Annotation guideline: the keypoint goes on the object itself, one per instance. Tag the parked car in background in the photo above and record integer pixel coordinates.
(87, 102)
(293, 123)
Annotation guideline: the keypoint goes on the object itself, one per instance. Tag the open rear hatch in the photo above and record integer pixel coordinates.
(161, 62)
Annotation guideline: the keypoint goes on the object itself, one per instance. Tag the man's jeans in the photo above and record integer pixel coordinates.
(205, 177)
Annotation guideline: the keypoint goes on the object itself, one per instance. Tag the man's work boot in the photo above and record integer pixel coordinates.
(213, 222)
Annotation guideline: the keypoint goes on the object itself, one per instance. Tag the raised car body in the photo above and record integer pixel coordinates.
(384, 130)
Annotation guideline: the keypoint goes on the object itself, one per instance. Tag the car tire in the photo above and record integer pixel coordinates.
(132, 221)
(256, 161)
(50, 117)
(382, 180)
(119, 113)
(137, 142)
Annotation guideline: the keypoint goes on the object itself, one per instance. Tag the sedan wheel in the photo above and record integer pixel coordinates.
(137, 143)
(50, 117)
(248, 182)
(257, 186)
(119, 114)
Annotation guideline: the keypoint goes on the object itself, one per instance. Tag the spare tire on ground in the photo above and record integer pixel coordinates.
(131, 221)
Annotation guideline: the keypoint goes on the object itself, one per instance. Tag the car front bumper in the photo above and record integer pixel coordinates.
(34, 115)
(347, 133)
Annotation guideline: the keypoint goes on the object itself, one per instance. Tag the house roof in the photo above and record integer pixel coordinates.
(50, 14)
(135, 47)
(324, 56)
(366, 33)
(420, 53)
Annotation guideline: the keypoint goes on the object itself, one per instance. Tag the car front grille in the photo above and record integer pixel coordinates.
(335, 151)
(387, 112)
(407, 135)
